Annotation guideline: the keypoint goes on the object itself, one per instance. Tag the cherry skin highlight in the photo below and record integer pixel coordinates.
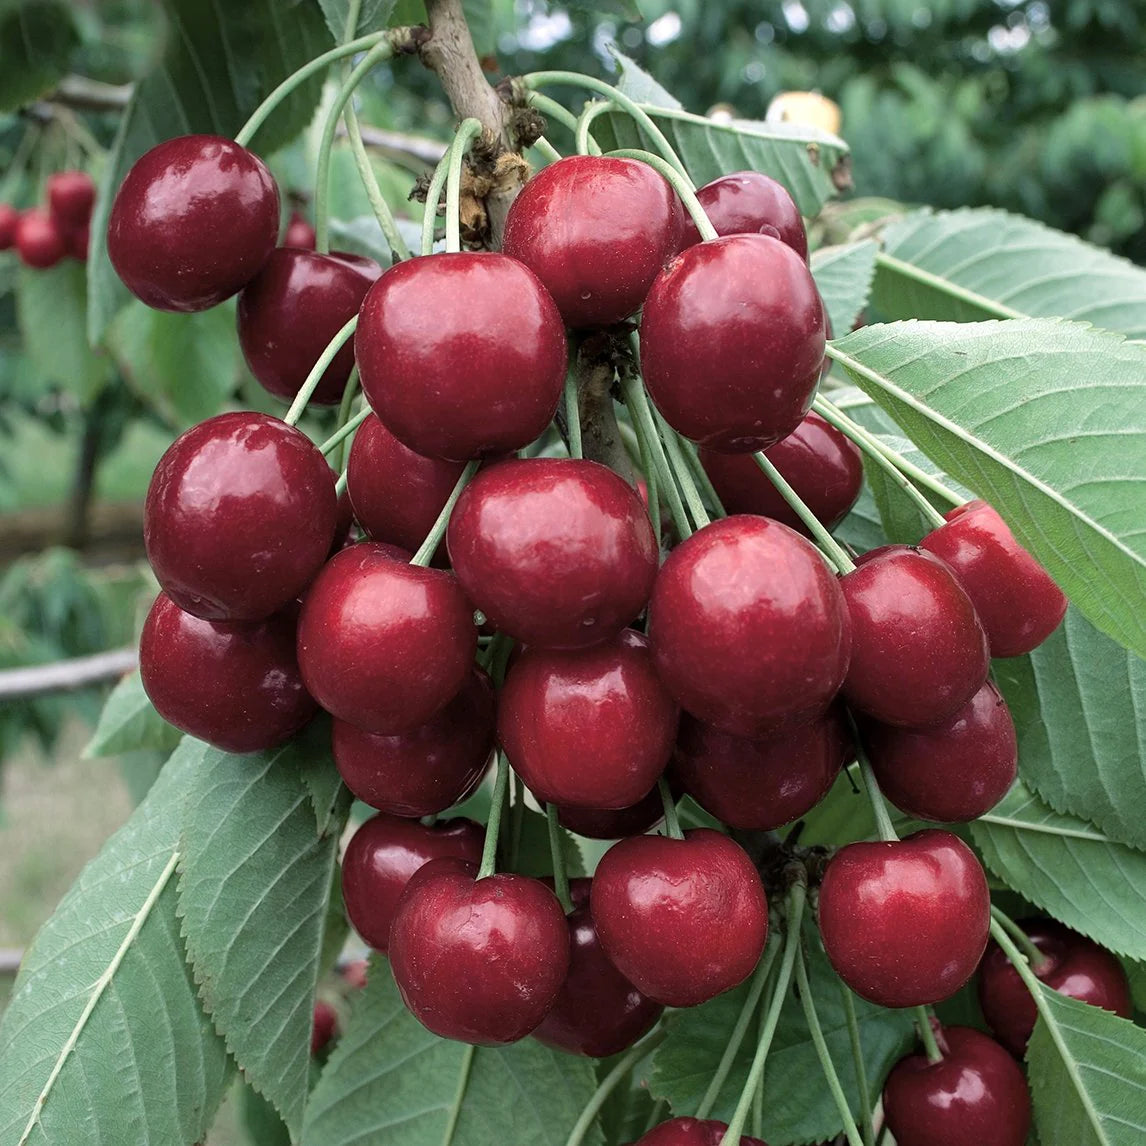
(40, 241)
(71, 196)
(691, 1132)
(746, 202)
(614, 824)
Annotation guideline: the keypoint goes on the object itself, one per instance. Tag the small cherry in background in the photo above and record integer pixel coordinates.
(354, 974)
(299, 233)
(40, 241)
(747, 202)
(9, 220)
(691, 1132)
(71, 196)
(324, 1029)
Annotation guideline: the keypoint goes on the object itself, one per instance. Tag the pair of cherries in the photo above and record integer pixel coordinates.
(61, 228)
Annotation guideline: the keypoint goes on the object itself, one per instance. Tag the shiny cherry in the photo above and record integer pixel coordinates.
(9, 220)
(71, 196)
(691, 1132)
(299, 233)
(235, 685)
(40, 241)
(240, 515)
(919, 653)
(478, 960)
(905, 922)
(683, 920)
(614, 824)
(381, 857)
(1018, 603)
(461, 355)
(749, 201)
(1072, 965)
(324, 1028)
(732, 341)
(749, 626)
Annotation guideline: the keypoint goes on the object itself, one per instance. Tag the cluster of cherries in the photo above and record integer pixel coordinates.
(736, 668)
(61, 228)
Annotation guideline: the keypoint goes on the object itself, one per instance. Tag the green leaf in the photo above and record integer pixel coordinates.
(844, 276)
(104, 1021)
(639, 86)
(129, 723)
(253, 894)
(1045, 420)
(330, 798)
(533, 855)
(37, 40)
(862, 529)
(390, 1080)
(373, 16)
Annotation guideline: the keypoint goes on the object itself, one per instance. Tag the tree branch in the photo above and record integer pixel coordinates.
(64, 676)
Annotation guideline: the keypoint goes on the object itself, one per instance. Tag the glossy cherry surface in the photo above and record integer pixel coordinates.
(954, 771)
(193, 222)
(975, 1095)
(461, 355)
(905, 922)
(383, 644)
(817, 461)
(747, 202)
(614, 824)
(732, 341)
(381, 857)
(71, 195)
(1018, 603)
(240, 515)
(299, 233)
(556, 552)
(40, 241)
(235, 685)
(691, 1132)
(481, 961)
(683, 920)
(9, 218)
(290, 311)
(429, 768)
(1073, 965)
(919, 653)
(749, 626)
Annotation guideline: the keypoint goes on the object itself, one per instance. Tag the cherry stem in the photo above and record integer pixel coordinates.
(493, 827)
(883, 824)
(470, 129)
(692, 456)
(866, 1124)
(682, 471)
(378, 204)
(554, 110)
(516, 800)
(552, 155)
(572, 412)
(672, 821)
(340, 485)
(927, 1035)
(1032, 983)
(681, 184)
(646, 427)
(1036, 958)
(307, 389)
(429, 547)
(586, 144)
(344, 431)
(433, 195)
(560, 875)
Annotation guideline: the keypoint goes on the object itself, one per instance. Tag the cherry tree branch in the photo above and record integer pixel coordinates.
(64, 676)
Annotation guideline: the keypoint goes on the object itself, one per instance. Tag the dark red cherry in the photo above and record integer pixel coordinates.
(40, 241)
(299, 233)
(748, 202)
(235, 685)
(290, 311)
(749, 626)
(431, 767)
(1018, 603)
(381, 857)
(691, 1132)
(461, 355)
(79, 240)
(1072, 964)
(71, 195)
(240, 515)
(614, 824)
(817, 461)
(761, 784)
(324, 1028)
(9, 220)
(905, 922)
(975, 1095)
(481, 961)
(919, 653)
(954, 771)
(556, 552)
(595, 230)
(732, 341)
(683, 920)
(193, 222)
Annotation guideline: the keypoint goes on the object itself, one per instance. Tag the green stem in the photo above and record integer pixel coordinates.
(340, 485)
(1019, 961)
(867, 1125)
(1023, 941)
(646, 427)
(516, 798)
(433, 195)
(692, 456)
(552, 155)
(672, 821)
(317, 370)
(586, 144)
(682, 471)
(883, 824)
(554, 110)
(429, 547)
(609, 1083)
(344, 431)
(560, 875)
(374, 194)
(469, 129)
(573, 413)
(927, 1035)
(682, 185)
(493, 827)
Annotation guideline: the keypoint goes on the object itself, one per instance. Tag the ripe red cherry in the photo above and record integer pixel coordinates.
(905, 922)
(732, 341)
(71, 195)
(749, 626)
(193, 222)
(299, 233)
(1072, 965)
(614, 824)
(595, 230)
(556, 552)
(761, 784)
(954, 771)
(683, 920)
(240, 515)
(461, 355)
(383, 855)
(817, 461)
(236, 686)
(749, 201)
(9, 219)
(1018, 603)
(79, 240)
(975, 1095)
(290, 311)
(691, 1132)
(919, 653)
(431, 767)
(324, 1028)
(482, 960)
(40, 242)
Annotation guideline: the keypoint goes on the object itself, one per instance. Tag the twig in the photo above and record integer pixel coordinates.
(63, 676)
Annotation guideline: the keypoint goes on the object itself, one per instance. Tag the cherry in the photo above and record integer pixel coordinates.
(429, 768)
(299, 233)
(975, 1095)
(478, 960)
(749, 201)
(761, 784)
(556, 552)
(324, 1029)
(240, 514)
(1072, 965)
(354, 974)
(614, 823)
(955, 771)
(595, 230)
(461, 355)
(749, 626)
(919, 653)
(691, 1132)
(79, 240)
(683, 920)
(71, 196)
(818, 462)
(40, 242)
(9, 221)
(732, 341)
(381, 857)
(290, 311)
(193, 222)
(1018, 603)
(236, 686)
(904, 922)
